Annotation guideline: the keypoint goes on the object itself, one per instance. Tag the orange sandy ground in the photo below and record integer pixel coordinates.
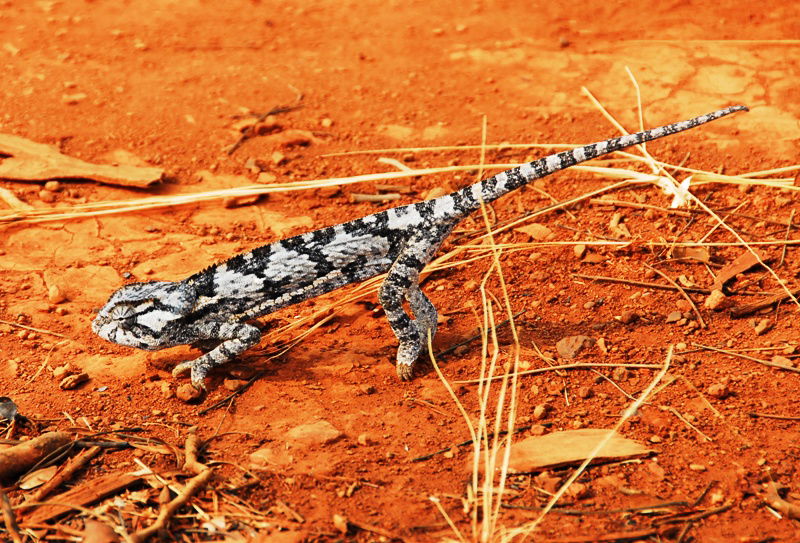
(165, 81)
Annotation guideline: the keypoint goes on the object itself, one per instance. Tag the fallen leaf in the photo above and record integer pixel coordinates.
(28, 160)
(571, 447)
(536, 231)
(742, 263)
(700, 254)
(38, 477)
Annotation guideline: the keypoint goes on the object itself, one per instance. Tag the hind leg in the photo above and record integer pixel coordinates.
(402, 283)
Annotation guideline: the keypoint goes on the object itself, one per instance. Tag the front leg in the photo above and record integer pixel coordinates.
(235, 338)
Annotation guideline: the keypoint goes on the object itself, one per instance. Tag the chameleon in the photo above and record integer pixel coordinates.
(214, 309)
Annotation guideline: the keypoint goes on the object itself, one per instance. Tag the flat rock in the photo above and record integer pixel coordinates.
(270, 457)
(320, 432)
(571, 346)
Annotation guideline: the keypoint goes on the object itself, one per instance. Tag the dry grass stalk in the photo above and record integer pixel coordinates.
(578, 366)
(491, 449)
(12, 528)
(680, 289)
(702, 205)
(751, 358)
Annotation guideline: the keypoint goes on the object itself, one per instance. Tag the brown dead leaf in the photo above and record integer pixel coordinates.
(536, 231)
(31, 161)
(38, 477)
(570, 447)
(699, 254)
(742, 263)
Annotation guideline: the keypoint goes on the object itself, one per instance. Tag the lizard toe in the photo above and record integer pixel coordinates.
(405, 372)
(183, 367)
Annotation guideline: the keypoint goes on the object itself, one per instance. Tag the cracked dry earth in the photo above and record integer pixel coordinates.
(327, 429)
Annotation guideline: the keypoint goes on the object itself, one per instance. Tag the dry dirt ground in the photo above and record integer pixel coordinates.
(168, 81)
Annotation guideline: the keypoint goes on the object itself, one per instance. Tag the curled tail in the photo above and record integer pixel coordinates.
(492, 188)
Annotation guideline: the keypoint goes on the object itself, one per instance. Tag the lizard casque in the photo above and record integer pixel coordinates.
(212, 308)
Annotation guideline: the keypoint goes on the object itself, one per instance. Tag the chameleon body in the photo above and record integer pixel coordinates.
(212, 309)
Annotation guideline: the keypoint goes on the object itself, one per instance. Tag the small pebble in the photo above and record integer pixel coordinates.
(629, 317)
(367, 389)
(675, 316)
(718, 390)
(326, 122)
(340, 523)
(266, 178)
(278, 158)
(762, 326)
(655, 439)
(585, 392)
(166, 390)
(471, 285)
(579, 250)
(73, 99)
(52, 186)
(233, 384)
(187, 393)
(47, 196)
(716, 498)
(620, 374)
(54, 295)
(715, 300)
(697, 467)
(61, 371)
(73, 381)
(540, 411)
(538, 430)
(569, 347)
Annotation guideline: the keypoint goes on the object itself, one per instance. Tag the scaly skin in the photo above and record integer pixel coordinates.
(212, 307)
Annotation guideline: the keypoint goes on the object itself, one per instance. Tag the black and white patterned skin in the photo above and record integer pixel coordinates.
(212, 309)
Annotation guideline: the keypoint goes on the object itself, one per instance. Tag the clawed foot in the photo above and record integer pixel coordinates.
(405, 372)
(198, 372)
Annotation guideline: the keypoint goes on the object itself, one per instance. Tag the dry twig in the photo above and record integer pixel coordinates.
(754, 359)
(72, 467)
(787, 508)
(680, 289)
(10, 520)
(192, 447)
(168, 510)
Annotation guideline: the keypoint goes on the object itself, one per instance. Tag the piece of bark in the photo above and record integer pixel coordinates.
(744, 310)
(81, 495)
(31, 161)
(743, 262)
(27, 454)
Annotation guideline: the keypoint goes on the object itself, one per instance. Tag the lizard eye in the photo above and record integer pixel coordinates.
(121, 311)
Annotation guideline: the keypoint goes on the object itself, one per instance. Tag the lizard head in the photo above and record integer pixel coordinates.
(144, 315)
